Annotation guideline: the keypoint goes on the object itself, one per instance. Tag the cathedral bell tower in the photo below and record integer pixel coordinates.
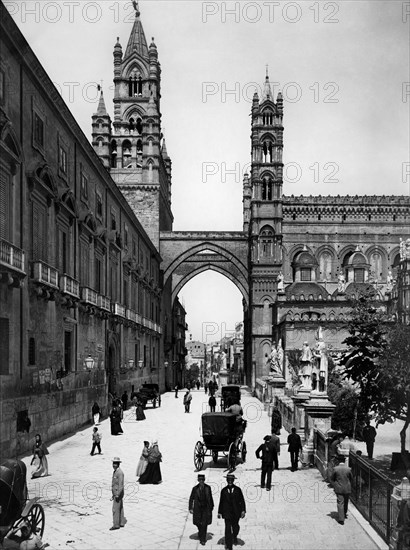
(262, 200)
(138, 160)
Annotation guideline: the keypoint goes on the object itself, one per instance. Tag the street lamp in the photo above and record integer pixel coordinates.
(166, 364)
(130, 363)
(89, 362)
(140, 363)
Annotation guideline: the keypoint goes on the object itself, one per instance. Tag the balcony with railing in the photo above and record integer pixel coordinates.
(70, 286)
(103, 302)
(118, 309)
(44, 274)
(89, 296)
(11, 257)
(131, 315)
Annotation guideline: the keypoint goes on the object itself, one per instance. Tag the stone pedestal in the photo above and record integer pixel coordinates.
(223, 377)
(318, 413)
(299, 401)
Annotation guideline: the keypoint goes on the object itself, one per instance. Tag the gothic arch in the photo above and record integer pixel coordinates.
(204, 246)
(134, 67)
(217, 269)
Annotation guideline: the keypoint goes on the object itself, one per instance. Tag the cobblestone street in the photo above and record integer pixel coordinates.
(299, 512)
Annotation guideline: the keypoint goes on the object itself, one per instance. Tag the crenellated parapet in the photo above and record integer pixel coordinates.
(347, 207)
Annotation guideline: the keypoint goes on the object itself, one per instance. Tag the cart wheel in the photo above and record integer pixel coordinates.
(232, 456)
(154, 403)
(199, 454)
(215, 456)
(159, 401)
(243, 452)
(36, 519)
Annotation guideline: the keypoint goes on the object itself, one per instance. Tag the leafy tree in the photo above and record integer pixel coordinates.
(349, 416)
(395, 380)
(366, 344)
(192, 374)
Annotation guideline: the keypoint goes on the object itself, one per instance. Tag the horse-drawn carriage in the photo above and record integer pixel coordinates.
(230, 395)
(150, 392)
(16, 510)
(222, 432)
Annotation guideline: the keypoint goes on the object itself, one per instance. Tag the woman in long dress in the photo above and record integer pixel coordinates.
(139, 409)
(143, 463)
(152, 474)
(115, 419)
(39, 458)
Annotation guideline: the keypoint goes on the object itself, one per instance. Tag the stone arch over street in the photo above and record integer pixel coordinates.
(186, 254)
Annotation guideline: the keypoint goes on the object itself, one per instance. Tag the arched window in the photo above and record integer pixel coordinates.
(267, 189)
(126, 152)
(131, 124)
(139, 146)
(139, 126)
(267, 151)
(266, 243)
(376, 266)
(113, 154)
(325, 266)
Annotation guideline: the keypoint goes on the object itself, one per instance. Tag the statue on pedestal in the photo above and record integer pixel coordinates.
(222, 360)
(306, 366)
(274, 362)
(390, 281)
(280, 279)
(341, 285)
(320, 354)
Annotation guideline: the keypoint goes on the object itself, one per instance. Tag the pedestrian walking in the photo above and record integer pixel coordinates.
(345, 446)
(198, 384)
(139, 408)
(143, 462)
(152, 474)
(117, 488)
(369, 436)
(276, 421)
(267, 453)
(96, 438)
(200, 506)
(95, 410)
(124, 399)
(39, 460)
(211, 387)
(276, 442)
(206, 388)
(212, 403)
(295, 447)
(176, 391)
(231, 508)
(115, 419)
(187, 400)
(342, 484)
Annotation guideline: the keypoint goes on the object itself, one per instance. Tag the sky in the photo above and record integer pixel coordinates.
(343, 69)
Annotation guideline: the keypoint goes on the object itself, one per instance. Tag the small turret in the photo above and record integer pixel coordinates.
(101, 132)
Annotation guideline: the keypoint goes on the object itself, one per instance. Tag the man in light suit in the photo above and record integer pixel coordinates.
(117, 488)
(231, 508)
(200, 506)
(342, 484)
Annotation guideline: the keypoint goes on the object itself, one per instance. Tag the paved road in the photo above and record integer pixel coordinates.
(299, 513)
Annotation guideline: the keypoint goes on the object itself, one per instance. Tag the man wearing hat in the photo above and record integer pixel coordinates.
(200, 506)
(117, 487)
(231, 508)
(268, 453)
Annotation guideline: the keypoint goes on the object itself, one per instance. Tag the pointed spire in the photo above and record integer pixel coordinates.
(164, 149)
(137, 41)
(101, 110)
(152, 108)
(267, 92)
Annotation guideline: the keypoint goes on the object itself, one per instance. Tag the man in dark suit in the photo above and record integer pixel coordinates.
(232, 508)
(342, 484)
(267, 452)
(200, 506)
(295, 447)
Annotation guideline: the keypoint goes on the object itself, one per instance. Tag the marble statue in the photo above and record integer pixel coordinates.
(320, 353)
(280, 280)
(390, 281)
(306, 366)
(273, 361)
(222, 360)
(341, 287)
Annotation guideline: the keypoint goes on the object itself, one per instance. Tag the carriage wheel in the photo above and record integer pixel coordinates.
(232, 456)
(215, 456)
(154, 403)
(36, 519)
(199, 454)
(159, 401)
(243, 452)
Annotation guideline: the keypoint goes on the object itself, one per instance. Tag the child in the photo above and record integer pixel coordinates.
(96, 441)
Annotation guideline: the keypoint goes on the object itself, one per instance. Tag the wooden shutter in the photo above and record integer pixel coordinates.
(39, 232)
(4, 346)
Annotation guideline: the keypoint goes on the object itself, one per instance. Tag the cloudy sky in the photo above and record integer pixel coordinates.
(343, 68)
